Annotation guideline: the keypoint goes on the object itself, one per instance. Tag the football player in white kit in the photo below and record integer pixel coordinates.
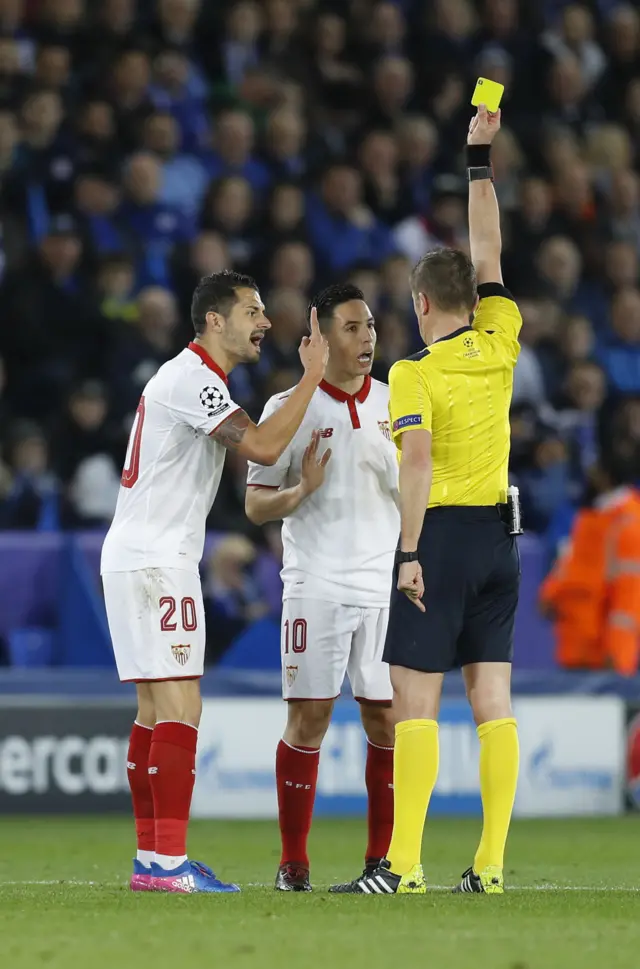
(185, 421)
(340, 532)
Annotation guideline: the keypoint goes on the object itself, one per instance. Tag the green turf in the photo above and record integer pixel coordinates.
(103, 925)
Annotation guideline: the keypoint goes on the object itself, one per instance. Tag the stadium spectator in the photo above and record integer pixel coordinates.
(85, 431)
(342, 229)
(231, 594)
(184, 180)
(232, 154)
(593, 593)
(621, 354)
(30, 493)
(155, 227)
(139, 350)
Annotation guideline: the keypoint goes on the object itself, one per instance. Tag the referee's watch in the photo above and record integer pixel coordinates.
(402, 557)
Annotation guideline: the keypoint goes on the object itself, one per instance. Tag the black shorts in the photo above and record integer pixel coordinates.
(471, 570)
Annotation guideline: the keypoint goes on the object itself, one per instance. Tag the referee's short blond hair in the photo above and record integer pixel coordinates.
(448, 280)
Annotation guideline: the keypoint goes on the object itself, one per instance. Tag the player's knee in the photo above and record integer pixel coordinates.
(488, 688)
(307, 722)
(146, 715)
(490, 703)
(379, 724)
(178, 700)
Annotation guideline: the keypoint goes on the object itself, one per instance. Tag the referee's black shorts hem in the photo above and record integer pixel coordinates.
(471, 571)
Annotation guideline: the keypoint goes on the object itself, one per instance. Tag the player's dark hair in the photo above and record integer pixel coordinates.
(329, 299)
(217, 293)
(448, 279)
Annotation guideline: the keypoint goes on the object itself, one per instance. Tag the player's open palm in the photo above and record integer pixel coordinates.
(313, 467)
(410, 582)
(314, 350)
(484, 126)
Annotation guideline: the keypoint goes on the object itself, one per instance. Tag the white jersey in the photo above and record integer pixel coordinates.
(172, 469)
(339, 544)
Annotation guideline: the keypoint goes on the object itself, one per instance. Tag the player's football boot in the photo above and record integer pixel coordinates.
(141, 879)
(488, 882)
(382, 881)
(293, 878)
(190, 878)
(347, 888)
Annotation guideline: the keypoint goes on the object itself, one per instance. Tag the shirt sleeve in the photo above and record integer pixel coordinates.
(274, 476)
(203, 403)
(409, 399)
(498, 314)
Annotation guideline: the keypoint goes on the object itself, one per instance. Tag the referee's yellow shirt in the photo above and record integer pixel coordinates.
(459, 388)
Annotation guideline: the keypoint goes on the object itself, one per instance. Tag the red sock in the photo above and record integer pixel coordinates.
(379, 781)
(138, 775)
(172, 771)
(296, 777)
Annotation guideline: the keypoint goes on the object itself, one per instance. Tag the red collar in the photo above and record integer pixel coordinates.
(341, 395)
(208, 361)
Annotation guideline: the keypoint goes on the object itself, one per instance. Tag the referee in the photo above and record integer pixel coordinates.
(458, 564)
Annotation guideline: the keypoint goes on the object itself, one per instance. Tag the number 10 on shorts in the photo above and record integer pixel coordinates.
(295, 635)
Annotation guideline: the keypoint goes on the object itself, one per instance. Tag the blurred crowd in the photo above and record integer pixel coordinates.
(144, 143)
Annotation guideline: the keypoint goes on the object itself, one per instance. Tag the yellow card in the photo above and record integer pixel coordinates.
(489, 93)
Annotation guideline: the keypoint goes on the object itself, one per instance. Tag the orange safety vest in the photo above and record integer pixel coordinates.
(593, 591)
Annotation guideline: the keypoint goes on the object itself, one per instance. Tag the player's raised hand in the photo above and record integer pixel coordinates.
(484, 126)
(314, 350)
(313, 468)
(410, 582)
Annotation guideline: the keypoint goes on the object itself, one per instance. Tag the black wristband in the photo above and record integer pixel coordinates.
(478, 156)
(402, 557)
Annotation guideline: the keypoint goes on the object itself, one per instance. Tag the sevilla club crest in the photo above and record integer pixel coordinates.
(291, 672)
(385, 429)
(181, 654)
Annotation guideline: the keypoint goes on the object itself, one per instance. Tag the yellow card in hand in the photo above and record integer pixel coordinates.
(489, 93)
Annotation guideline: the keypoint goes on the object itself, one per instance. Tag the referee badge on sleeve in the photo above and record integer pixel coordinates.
(411, 420)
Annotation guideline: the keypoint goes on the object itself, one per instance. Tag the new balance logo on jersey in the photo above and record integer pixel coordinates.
(212, 399)
(181, 654)
(326, 432)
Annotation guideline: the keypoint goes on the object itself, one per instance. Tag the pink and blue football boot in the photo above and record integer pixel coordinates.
(141, 879)
(190, 878)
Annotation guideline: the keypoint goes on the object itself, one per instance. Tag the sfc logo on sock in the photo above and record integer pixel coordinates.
(181, 654)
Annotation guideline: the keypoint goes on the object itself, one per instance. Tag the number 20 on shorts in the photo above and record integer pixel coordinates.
(296, 632)
(188, 614)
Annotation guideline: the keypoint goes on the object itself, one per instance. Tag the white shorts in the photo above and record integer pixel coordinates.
(156, 621)
(321, 641)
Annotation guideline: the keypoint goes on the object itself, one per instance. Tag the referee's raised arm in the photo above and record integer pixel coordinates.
(484, 216)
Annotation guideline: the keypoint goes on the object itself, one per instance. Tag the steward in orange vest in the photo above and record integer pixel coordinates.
(593, 592)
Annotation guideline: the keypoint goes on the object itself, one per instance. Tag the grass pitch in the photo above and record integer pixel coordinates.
(573, 901)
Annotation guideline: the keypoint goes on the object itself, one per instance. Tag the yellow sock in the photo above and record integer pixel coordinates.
(415, 770)
(499, 762)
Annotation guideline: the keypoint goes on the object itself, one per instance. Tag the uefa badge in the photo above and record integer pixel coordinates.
(291, 672)
(181, 654)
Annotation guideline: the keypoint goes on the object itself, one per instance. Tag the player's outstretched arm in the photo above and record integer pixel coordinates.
(484, 215)
(264, 443)
(263, 504)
